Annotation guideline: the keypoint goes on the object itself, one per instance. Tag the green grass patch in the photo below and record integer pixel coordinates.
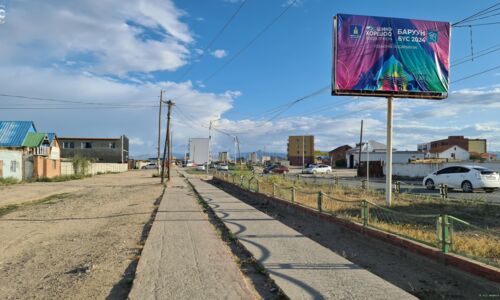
(8, 181)
(60, 178)
(53, 199)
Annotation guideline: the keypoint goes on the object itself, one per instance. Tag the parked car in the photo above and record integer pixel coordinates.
(223, 167)
(150, 166)
(268, 169)
(318, 169)
(279, 169)
(201, 168)
(467, 178)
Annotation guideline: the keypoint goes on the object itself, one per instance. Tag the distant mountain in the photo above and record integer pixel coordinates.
(153, 156)
(261, 153)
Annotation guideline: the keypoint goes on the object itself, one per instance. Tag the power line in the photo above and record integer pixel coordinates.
(250, 43)
(476, 74)
(474, 57)
(481, 24)
(215, 38)
(65, 100)
(475, 15)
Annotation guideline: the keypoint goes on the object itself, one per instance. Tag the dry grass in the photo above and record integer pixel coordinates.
(405, 218)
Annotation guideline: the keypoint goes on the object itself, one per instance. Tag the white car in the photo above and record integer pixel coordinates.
(201, 168)
(467, 178)
(318, 169)
(150, 166)
(223, 167)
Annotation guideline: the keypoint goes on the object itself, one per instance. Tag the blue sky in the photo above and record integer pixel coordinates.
(112, 53)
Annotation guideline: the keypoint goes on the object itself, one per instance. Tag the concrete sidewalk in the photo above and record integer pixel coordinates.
(302, 268)
(183, 257)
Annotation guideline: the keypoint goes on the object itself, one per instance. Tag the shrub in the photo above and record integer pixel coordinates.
(81, 165)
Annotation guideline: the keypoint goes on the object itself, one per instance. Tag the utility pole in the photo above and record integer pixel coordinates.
(159, 133)
(303, 154)
(368, 165)
(167, 141)
(209, 143)
(388, 168)
(235, 151)
(360, 144)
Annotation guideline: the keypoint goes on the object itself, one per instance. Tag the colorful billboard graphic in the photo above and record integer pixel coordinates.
(377, 56)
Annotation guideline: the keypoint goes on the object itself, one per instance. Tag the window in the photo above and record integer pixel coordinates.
(448, 170)
(86, 145)
(13, 166)
(68, 145)
(112, 145)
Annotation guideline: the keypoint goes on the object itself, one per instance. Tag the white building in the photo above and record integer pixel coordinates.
(375, 151)
(253, 158)
(452, 152)
(198, 150)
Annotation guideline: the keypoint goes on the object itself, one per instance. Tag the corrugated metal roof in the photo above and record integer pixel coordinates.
(34, 139)
(13, 133)
(51, 136)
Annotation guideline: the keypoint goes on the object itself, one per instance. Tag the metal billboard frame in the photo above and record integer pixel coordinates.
(390, 97)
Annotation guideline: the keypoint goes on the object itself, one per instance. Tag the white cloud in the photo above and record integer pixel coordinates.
(138, 120)
(219, 53)
(107, 37)
(136, 141)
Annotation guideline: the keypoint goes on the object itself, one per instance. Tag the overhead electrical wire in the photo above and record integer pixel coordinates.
(250, 43)
(482, 12)
(215, 38)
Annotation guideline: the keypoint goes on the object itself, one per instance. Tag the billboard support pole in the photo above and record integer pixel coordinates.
(388, 168)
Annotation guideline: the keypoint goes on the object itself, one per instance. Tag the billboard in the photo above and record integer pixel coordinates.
(378, 56)
(198, 150)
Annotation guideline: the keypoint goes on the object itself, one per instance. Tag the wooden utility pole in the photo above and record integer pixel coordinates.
(360, 144)
(159, 133)
(167, 142)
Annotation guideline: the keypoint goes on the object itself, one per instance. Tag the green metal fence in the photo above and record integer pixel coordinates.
(443, 231)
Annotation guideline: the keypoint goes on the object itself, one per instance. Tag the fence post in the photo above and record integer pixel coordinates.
(320, 201)
(274, 190)
(258, 185)
(241, 180)
(397, 188)
(293, 194)
(365, 212)
(363, 184)
(443, 191)
(444, 233)
(336, 180)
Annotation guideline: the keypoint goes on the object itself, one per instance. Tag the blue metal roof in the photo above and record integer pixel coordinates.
(51, 136)
(13, 133)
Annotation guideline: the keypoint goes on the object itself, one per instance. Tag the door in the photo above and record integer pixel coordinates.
(458, 177)
(444, 176)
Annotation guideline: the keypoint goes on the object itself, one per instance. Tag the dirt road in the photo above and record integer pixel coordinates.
(79, 245)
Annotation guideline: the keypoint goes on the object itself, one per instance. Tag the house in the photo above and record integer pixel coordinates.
(301, 150)
(451, 152)
(478, 146)
(25, 153)
(352, 155)
(338, 155)
(44, 153)
(101, 150)
(376, 152)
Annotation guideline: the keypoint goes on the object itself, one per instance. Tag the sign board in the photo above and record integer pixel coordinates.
(378, 56)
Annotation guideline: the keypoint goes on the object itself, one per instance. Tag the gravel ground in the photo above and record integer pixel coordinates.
(81, 245)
